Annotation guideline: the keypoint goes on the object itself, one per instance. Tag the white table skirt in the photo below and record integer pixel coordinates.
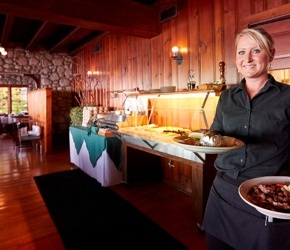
(105, 171)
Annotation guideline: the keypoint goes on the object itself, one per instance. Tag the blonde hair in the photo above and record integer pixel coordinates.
(261, 38)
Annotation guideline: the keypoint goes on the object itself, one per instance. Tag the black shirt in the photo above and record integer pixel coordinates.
(262, 123)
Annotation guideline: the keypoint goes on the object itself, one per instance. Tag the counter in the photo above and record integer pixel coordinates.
(106, 159)
(161, 144)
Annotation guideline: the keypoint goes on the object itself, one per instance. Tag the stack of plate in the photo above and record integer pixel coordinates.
(168, 89)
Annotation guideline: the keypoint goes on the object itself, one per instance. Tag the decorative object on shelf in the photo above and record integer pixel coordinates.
(222, 72)
(217, 85)
(191, 83)
(176, 55)
(3, 51)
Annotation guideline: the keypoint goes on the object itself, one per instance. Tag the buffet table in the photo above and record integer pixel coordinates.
(106, 159)
(96, 155)
(161, 144)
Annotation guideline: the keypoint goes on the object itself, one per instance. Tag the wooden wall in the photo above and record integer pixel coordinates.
(204, 29)
(40, 109)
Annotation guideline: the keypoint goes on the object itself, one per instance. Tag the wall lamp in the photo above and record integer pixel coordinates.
(3, 51)
(176, 55)
(92, 74)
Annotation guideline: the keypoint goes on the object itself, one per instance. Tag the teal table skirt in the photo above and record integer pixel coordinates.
(96, 144)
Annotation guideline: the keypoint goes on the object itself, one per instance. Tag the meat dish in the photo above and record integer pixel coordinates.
(274, 196)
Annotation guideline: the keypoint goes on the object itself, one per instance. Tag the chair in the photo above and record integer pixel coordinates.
(25, 137)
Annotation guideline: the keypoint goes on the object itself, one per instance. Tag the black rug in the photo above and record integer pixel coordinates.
(88, 216)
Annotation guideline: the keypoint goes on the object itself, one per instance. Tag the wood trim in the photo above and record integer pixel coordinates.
(268, 16)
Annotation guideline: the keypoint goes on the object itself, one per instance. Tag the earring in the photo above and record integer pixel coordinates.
(270, 66)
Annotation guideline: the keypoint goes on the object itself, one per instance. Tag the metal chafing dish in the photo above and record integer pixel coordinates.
(110, 121)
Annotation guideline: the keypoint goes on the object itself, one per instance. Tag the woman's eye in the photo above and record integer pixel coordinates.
(256, 51)
(241, 52)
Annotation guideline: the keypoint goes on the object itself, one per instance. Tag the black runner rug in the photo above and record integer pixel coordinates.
(88, 216)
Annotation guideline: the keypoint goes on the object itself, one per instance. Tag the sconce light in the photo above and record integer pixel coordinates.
(93, 77)
(89, 73)
(176, 55)
(3, 51)
(92, 74)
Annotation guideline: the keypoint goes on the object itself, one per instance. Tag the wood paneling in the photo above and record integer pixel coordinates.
(204, 29)
(40, 109)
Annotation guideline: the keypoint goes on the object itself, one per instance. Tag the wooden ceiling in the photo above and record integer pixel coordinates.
(68, 25)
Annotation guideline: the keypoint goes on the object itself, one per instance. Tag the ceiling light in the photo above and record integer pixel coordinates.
(3, 51)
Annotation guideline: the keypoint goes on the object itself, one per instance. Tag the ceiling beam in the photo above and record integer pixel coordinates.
(122, 16)
(40, 34)
(7, 28)
(64, 40)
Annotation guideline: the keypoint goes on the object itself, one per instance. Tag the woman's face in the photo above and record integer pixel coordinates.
(250, 60)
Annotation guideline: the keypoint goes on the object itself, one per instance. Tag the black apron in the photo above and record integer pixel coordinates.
(230, 219)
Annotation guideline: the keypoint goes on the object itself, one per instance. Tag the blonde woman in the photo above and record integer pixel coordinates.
(256, 111)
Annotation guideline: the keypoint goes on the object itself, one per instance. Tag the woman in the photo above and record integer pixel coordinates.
(257, 111)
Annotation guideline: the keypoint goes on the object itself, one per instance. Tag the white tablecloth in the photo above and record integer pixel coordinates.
(105, 171)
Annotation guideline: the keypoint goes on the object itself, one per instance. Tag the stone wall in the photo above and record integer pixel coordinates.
(52, 71)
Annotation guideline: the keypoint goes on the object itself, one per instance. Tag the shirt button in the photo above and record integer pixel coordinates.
(245, 126)
(242, 160)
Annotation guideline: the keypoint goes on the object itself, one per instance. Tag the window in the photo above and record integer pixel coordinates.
(3, 100)
(13, 99)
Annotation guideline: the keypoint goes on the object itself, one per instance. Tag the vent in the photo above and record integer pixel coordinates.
(168, 13)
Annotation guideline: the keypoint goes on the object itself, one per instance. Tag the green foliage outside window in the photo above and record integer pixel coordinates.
(18, 97)
(3, 100)
(19, 100)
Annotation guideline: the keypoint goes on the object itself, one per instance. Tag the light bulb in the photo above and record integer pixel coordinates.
(175, 49)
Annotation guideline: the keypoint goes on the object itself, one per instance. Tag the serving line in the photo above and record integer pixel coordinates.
(202, 170)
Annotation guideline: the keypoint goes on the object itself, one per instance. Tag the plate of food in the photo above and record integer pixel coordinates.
(270, 195)
(208, 143)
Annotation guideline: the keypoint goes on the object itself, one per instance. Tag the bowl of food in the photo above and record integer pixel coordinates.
(270, 195)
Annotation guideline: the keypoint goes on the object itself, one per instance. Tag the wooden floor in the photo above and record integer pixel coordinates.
(26, 224)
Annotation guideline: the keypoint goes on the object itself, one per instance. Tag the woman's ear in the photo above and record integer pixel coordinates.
(272, 54)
